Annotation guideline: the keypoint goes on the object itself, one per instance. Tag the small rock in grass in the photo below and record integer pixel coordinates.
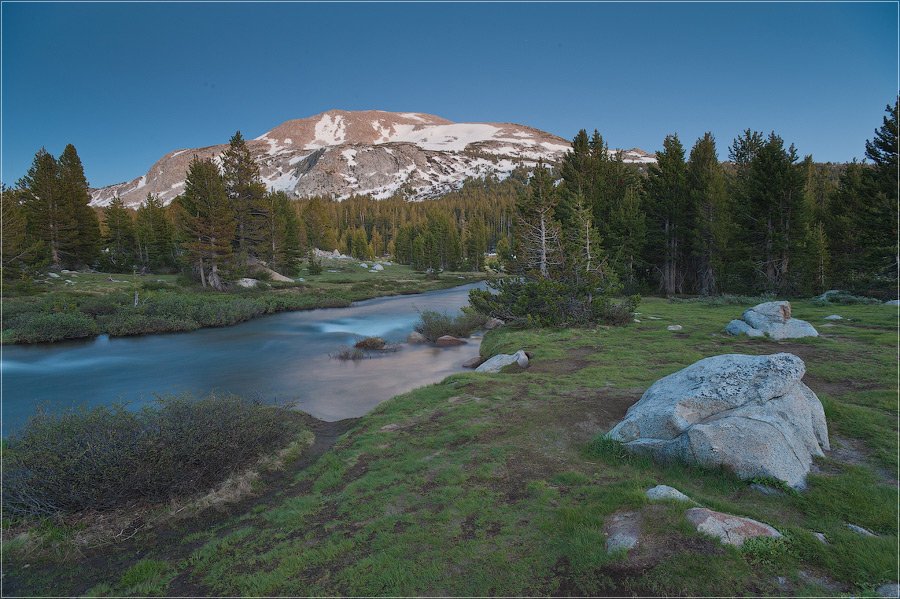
(53, 275)
(364, 265)
(377, 267)
(891, 589)
(729, 529)
(390, 427)
(622, 531)
(416, 337)
(637, 319)
(473, 362)
(493, 323)
(821, 537)
(662, 492)
(448, 341)
(834, 317)
(895, 302)
(247, 283)
(766, 489)
(861, 531)
(654, 318)
(674, 327)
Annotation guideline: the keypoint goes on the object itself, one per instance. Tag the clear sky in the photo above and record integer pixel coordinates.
(127, 83)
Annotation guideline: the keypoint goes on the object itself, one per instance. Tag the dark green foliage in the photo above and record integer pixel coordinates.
(154, 235)
(119, 242)
(106, 457)
(55, 326)
(433, 325)
(250, 209)
(668, 217)
(313, 265)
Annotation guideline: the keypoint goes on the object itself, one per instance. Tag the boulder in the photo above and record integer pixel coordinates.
(751, 414)
(53, 275)
(377, 267)
(500, 361)
(416, 337)
(674, 327)
(473, 362)
(371, 343)
(773, 319)
(895, 302)
(890, 589)
(448, 341)
(247, 283)
(739, 327)
(834, 317)
(493, 323)
(861, 531)
(622, 531)
(731, 530)
(663, 492)
(364, 265)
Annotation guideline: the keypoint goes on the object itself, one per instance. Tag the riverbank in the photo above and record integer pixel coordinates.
(493, 485)
(77, 305)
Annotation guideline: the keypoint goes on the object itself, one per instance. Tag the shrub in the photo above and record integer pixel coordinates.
(106, 457)
(123, 325)
(154, 285)
(548, 303)
(437, 324)
(54, 327)
(370, 343)
(349, 353)
(843, 298)
(313, 266)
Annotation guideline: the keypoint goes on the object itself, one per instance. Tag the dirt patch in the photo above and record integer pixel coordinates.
(855, 453)
(575, 360)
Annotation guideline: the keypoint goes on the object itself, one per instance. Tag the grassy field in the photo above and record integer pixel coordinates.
(497, 484)
(84, 304)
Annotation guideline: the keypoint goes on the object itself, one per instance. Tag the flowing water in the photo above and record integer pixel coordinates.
(282, 358)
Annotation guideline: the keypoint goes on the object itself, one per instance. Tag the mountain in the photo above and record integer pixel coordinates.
(341, 153)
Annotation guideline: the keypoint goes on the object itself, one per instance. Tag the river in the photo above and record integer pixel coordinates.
(282, 358)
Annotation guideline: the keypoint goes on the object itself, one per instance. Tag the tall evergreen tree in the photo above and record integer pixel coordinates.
(667, 209)
(628, 233)
(878, 221)
(154, 236)
(207, 222)
(20, 250)
(709, 206)
(80, 230)
(119, 239)
(246, 194)
(538, 233)
(42, 202)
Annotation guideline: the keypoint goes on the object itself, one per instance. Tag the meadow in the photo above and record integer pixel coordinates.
(502, 483)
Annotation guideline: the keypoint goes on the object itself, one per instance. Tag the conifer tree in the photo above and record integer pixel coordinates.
(628, 232)
(80, 228)
(19, 250)
(877, 221)
(709, 205)
(667, 215)
(41, 199)
(154, 235)
(207, 222)
(119, 238)
(538, 232)
(246, 195)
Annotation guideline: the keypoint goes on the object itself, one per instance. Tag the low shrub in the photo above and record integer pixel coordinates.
(54, 326)
(106, 457)
(725, 299)
(843, 298)
(349, 353)
(433, 325)
(370, 343)
(123, 325)
(154, 285)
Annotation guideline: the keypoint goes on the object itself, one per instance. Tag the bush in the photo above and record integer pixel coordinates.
(56, 326)
(349, 353)
(154, 285)
(548, 303)
(843, 298)
(123, 325)
(437, 324)
(370, 343)
(106, 457)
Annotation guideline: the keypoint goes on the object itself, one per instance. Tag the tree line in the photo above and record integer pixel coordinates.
(764, 220)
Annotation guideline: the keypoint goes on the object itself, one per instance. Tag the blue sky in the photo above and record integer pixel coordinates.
(126, 82)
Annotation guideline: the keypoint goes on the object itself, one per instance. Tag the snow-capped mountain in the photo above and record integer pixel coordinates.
(341, 153)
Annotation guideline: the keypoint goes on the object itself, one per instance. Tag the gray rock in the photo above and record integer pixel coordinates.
(247, 283)
(731, 530)
(821, 537)
(834, 317)
(751, 414)
(364, 265)
(663, 492)
(390, 427)
(861, 531)
(53, 275)
(377, 267)
(493, 323)
(473, 362)
(890, 589)
(622, 531)
(416, 337)
(774, 320)
(895, 302)
(674, 327)
(739, 327)
(500, 361)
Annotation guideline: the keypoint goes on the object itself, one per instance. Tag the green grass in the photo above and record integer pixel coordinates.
(79, 305)
(502, 484)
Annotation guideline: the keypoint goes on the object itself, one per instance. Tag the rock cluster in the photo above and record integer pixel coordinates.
(751, 414)
(771, 319)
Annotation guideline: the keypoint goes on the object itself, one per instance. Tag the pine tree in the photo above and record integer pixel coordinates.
(79, 232)
(538, 232)
(41, 199)
(878, 219)
(667, 209)
(154, 236)
(246, 194)
(628, 232)
(19, 250)
(207, 222)
(119, 239)
(709, 205)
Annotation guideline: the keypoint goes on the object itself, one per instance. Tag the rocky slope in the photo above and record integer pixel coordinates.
(340, 153)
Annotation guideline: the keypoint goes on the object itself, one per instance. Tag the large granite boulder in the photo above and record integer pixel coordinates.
(500, 361)
(772, 319)
(751, 414)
